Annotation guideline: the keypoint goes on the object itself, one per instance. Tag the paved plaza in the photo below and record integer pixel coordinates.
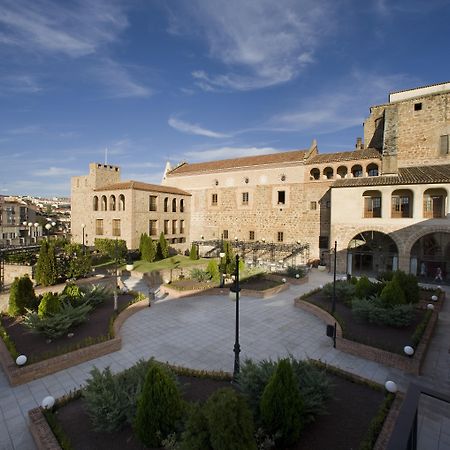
(199, 332)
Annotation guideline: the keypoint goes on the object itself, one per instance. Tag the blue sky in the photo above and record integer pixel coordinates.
(197, 80)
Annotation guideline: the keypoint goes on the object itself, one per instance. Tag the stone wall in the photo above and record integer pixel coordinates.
(16, 270)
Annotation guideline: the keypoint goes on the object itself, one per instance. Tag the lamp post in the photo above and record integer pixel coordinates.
(222, 255)
(115, 278)
(48, 227)
(237, 347)
(333, 306)
(83, 226)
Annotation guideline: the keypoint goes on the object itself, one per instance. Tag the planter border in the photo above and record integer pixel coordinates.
(407, 364)
(19, 375)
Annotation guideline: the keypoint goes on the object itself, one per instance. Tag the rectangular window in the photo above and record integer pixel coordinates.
(99, 227)
(116, 227)
(174, 227)
(152, 203)
(166, 227)
(153, 228)
(214, 200)
(313, 206)
(181, 226)
(280, 236)
(281, 197)
(251, 235)
(444, 144)
(225, 234)
(372, 207)
(417, 106)
(245, 198)
(400, 206)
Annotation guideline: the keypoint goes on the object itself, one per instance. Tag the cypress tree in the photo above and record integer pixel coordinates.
(163, 247)
(21, 296)
(46, 271)
(193, 254)
(159, 407)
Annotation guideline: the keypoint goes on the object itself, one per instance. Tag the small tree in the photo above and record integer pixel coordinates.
(228, 263)
(112, 248)
(282, 406)
(392, 294)
(79, 264)
(193, 254)
(158, 408)
(46, 270)
(409, 284)
(49, 304)
(213, 270)
(21, 296)
(163, 247)
(147, 248)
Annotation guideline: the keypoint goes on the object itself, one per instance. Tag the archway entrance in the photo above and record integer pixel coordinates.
(370, 253)
(430, 256)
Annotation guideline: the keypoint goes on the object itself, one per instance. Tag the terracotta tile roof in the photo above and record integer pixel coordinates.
(224, 164)
(139, 186)
(406, 175)
(367, 153)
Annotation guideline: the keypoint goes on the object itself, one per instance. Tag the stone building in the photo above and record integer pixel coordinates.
(103, 206)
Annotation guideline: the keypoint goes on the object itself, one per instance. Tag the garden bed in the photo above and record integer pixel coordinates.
(350, 412)
(380, 343)
(93, 338)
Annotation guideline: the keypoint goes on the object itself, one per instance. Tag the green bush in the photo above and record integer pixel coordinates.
(162, 249)
(385, 276)
(392, 294)
(193, 253)
(374, 311)
(364, 288)
(196, 431)
(230, 422)
(147, 248)
(344, 291)
(282, 406)
(79, 263)
(312, 382)
(73, 292)
(213, 270)
(420, 329)
(200, 275)
(409, 284)
(113, 248)
(95, 294)
(21, 296)
(49, 305)
(111, 399)
(292, 271)
(46, 272)
(158, 408)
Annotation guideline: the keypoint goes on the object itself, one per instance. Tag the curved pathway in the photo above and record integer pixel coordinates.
(196, 332)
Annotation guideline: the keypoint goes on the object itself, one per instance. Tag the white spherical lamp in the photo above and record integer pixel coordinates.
(283, 280)
(409, 351)
(391, 386)
(430, 306)
(297, 275)
(48, 402)
(321, 286)
(21, 360)
(434, 298)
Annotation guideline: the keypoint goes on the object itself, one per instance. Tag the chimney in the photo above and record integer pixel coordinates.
(359, 144)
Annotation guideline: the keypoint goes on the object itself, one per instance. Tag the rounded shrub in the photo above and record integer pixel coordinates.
(213, 270)
(392, 294)
(21, 296)
(363, 287)
(282, 406)
(73, 292)
(159, 407)
(409, 284)
(49, 304)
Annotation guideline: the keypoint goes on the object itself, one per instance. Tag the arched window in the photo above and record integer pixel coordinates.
(372, 204)
(104, 205)
(121, 202)
(401, 203)
(174, 205)
(328, 173)
(166, 204)
(357, 171)
(434, 201)
(372, 170)
(182, 205)
(314, 174)
(112, 203)
(342, 171)
(95, 203)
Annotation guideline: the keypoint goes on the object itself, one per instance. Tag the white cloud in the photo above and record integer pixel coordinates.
(55, 172)
(26, 130)
(19, 83)
(261, 42)
(186, 127)
(227, 152)
(73, 29)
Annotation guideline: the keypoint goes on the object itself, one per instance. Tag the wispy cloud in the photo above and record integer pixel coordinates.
(261, 42)
(119, 81)
(74, 29)
(190, 128)
(55, 172)
(26, 130)
(227, 152)
(19, 83)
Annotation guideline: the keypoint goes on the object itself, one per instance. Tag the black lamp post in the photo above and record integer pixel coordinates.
(221, 254)
(115, 278)
(333, 305)
(83, 226)
(237, 347)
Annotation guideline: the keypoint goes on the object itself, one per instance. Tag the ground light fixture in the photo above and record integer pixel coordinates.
(48, 402)
(409, 351)
(434, 298)
(21, 360)
(430, 306)
(391, 386)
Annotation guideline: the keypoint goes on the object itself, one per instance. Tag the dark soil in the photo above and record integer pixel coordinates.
(388, 338)
(258, 283)
(36, 346)
(253, 283)
(350, 412)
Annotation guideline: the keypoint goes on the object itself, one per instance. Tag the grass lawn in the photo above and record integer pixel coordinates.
(169, 263)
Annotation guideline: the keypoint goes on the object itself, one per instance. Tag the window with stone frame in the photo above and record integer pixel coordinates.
(116, 227)
(166, 227)
(251, 235)
(313, 205)
(444, 144)
(174, 226)
(372, 204)
(153, 227)
(99, 227)
(401, 204)
(281, 197)
(181, 226)
(152, 203)
(225, 234)
(245, 198)
(214, 200)
(280, 236)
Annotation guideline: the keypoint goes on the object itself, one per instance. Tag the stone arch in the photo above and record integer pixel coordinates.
(435, 203)
(423, 231)
(104, 203)
(372, 170)
(342, 171)
(357, 171)
(182, 205)
(314, 174)
(174, 205)
(166, 204)
(328, 173)
(121, 202)
(95, 203)
(112, 203)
